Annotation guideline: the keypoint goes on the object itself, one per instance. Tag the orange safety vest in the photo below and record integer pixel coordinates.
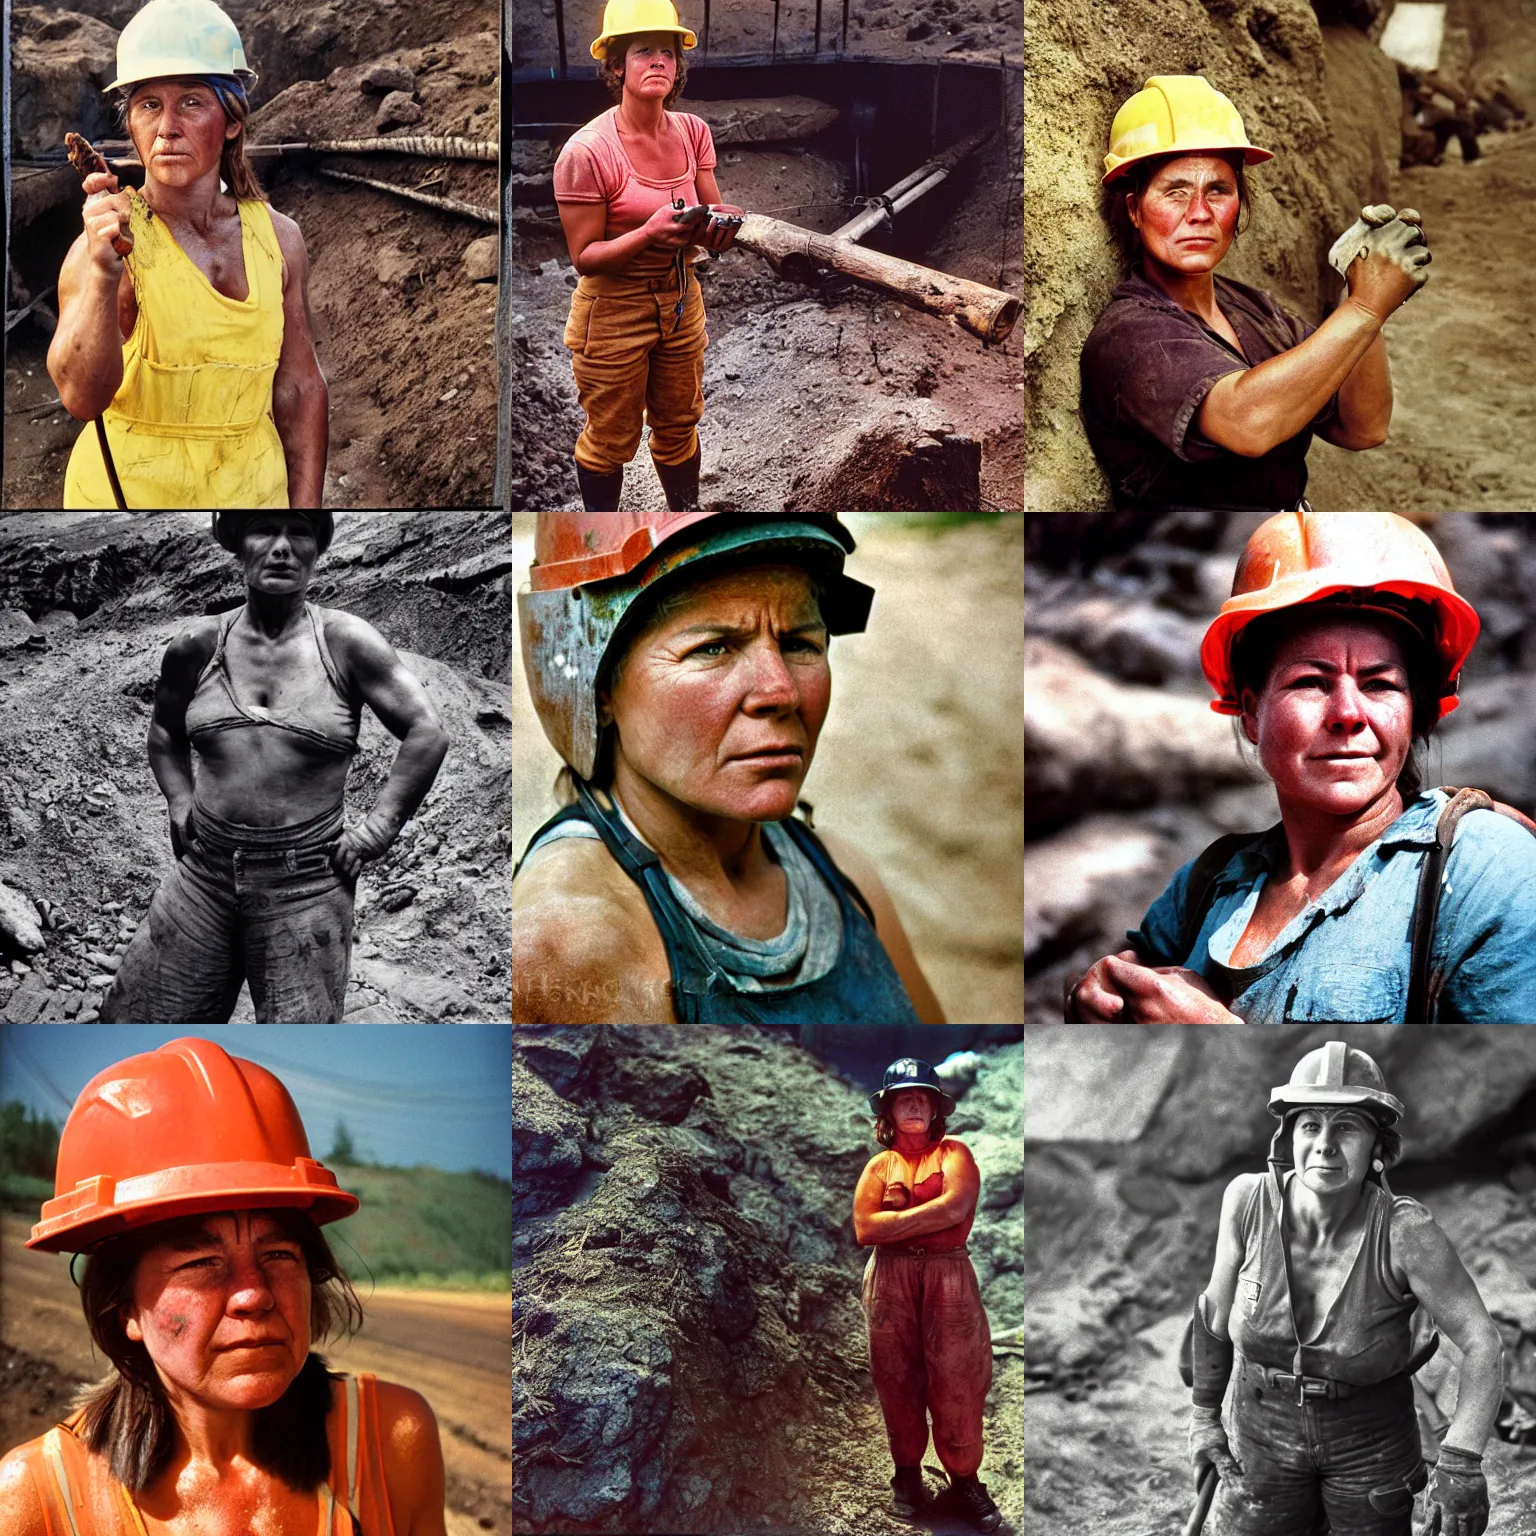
(80, 1497)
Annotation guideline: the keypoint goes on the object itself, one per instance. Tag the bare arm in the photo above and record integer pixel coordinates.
(413, 1461)
(85, 357)
(1221, 1290)
(170, 750)
(575, 960)
(1439, 1280)
(962, 1186)
(585, 223)
(21, 1506)
(392, 692)
(1365, 402)
(300, 399)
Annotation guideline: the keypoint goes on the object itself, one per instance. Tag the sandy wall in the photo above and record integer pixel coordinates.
(1325, 100)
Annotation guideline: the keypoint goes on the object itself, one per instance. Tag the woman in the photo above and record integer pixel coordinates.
(679, 666)
(1318, 1273)
(185, 1175)
(930, 1349)
(1342, 643)
(1199, 391)
(193, 345)
(636, 329)
(269, 698)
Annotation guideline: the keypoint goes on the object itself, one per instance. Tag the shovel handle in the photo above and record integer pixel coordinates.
(1206, 1492)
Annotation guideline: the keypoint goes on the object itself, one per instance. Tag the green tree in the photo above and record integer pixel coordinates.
(342, 1147)
(29, 1142)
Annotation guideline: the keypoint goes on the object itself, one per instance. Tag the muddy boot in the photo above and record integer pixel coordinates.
(681, 483)
(968, 1498)
(907, 1496)
(600, 493)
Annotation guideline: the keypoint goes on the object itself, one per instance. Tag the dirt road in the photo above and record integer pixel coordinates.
(1463, 352)
(454, 1348)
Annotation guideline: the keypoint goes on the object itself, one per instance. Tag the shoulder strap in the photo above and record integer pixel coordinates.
(317, 624)
(816, 851)
(53, 1454)
(1423, 988)
(567, 813)
(353, 1502)
(1208, 864)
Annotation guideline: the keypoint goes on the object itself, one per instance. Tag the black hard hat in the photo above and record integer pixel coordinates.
(911, 1073)
(229, 528)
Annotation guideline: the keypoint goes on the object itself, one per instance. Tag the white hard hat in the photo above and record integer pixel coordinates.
(168, 38)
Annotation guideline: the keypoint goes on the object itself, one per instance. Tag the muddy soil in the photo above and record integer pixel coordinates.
(1463, 352)
(920, 761)
(404, 335)
(453, 1349)
(688, 1343)
(90, 602)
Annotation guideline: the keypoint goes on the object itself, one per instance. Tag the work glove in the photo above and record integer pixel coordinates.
(360, 845)
(1380, 227)
(1456, 1501)
(1208, 1444)
(896, 1198)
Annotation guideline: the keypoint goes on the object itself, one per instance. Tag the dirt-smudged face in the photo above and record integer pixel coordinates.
(1332, 1148)
(740, 669)
(223, 1308)
(279, 551)
(912, 1110)
(1334, 723)
(179, 129)
(650, 66)
(1188, 214)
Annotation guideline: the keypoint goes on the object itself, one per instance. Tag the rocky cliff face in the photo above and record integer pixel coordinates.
(688, 1342)
(88, 602)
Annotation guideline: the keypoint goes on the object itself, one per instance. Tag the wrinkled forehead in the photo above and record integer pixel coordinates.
(170, 83)
(785, 592)
(1338, 633)
(1335, 1114)
(1192, 170)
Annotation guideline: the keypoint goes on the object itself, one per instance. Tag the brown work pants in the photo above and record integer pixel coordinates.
(638, 362)
(930, 1352)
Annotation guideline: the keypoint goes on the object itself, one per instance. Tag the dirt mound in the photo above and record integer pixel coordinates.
(1327, 104)
(95, 597)
(62, 61)
(688, 1339)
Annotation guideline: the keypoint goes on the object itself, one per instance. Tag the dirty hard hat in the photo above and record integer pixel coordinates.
(229, 527)
(1176, 115)
(1337, 1074)
(592, 569)
(622, 18)
(911, 1073)
(169, 38)
(1371, 561)
(180, 1130)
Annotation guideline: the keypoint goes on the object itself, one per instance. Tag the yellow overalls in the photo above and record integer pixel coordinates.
(191, 424)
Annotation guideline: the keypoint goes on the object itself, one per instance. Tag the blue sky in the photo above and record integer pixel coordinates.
(439, 1094)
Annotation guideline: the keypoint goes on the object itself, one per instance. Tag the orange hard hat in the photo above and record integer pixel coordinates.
(1303, 557)
(184, 1129)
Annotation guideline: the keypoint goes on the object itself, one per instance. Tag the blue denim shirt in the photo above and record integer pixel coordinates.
(1344, 958)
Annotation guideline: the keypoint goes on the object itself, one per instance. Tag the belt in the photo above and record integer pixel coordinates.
(922, 1250)
(1309, 1386)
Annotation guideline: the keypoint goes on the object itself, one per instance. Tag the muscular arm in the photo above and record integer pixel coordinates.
(170, 750)
(1221, 1290)
(413, 1461)
(300, 400)
(392, 692)
(962, 1186)
(1365, 402)
(85, 357)
(1437, 1278)
(576, 961)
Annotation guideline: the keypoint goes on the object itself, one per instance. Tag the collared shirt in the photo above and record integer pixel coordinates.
(1148, 365)
(1344, 958)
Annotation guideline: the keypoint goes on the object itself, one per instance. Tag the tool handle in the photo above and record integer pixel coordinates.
(89, 161)
(1206, 1492)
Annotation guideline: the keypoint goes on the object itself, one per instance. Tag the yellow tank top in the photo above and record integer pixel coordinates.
(191, 424)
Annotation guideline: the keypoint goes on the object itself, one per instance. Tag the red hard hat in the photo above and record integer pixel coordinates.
(180, 1130)
(1304, 557)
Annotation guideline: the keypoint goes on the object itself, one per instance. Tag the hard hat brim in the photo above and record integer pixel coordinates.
(599, 49)
(1385, 1108)
(182, 69)
(946, 1104)
(1251, 153)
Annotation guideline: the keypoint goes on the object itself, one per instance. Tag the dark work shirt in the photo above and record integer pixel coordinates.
(1147, 366)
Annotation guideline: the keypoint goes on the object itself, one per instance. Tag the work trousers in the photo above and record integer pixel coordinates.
(244, 904)
(637, 362)
(1356, 1458)
(930, 1352)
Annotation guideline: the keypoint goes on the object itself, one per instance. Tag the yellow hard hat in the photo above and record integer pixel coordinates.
(621, 18)
(1176, 114)
(170, 38)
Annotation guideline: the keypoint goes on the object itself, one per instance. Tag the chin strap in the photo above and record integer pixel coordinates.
(1211, 1360)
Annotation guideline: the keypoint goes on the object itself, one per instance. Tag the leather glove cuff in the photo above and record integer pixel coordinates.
(1453, 1459)
(1211, 1361)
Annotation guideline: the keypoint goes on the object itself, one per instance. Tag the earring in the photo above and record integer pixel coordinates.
(1378, 1165)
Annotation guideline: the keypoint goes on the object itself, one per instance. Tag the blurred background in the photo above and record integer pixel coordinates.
(414, 1120)
(1132, 1133)
(1131, 774)
(920, 761)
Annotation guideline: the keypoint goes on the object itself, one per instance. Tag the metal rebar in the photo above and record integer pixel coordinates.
(560, 27)
(445, 204)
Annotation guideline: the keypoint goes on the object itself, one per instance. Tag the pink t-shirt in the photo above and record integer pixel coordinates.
(594, 168)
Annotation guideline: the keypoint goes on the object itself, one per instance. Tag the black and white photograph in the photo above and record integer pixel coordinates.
(254, 766)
